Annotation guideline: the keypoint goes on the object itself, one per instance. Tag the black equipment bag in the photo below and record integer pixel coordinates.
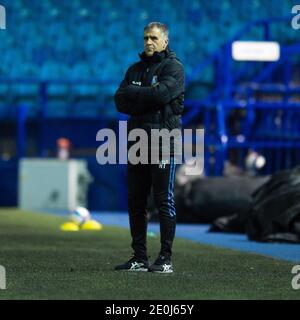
(275, 212)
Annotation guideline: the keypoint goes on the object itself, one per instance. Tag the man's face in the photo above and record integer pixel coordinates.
(154, 40)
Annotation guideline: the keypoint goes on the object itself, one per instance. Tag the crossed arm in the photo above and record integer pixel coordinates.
(136, 100)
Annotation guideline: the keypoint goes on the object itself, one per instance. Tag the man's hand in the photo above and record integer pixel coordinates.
(170, 86)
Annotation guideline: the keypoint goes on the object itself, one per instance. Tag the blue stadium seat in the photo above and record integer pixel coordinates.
(100, 39)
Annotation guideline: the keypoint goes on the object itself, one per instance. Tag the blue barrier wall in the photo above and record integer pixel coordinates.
(8, 183)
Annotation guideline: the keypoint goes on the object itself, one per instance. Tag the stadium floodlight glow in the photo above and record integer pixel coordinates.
(255, 51)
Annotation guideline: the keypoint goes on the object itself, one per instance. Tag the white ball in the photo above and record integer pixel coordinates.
(80, 215)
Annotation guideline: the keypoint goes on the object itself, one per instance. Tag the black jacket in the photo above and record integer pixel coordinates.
(152, 92)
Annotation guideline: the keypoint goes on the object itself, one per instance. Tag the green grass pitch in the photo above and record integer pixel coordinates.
(43, 262)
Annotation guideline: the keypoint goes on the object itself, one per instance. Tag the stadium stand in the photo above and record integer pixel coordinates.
(80, 40)
(61, 62)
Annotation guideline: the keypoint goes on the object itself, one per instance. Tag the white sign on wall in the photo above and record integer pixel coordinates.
(255, 51)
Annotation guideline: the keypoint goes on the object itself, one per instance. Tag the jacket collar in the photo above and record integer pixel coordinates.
(156, 57)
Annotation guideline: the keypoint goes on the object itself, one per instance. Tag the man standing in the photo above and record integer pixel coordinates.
(152, 93)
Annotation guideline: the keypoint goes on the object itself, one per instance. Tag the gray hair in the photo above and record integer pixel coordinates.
(162, 27)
